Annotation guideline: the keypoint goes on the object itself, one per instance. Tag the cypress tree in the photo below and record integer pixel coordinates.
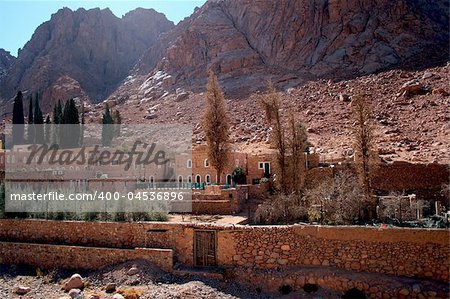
(39, 123)
(82, 125)
(70, 113)
(57, 113)
(107, 128)
(48, 126)
(117, 120)
(30, 110)
(70, 134)
(18, 119)
(30, 127)
(56, 121)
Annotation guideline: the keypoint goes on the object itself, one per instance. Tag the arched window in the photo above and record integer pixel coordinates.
(208, 179)
(189, 179)
(180, 181)
(198, 179)
(206, 163)
(189, 163)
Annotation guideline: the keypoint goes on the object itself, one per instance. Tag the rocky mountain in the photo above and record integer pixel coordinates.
(412, 119)
(6, 59)
(83, 51)
(248, 42)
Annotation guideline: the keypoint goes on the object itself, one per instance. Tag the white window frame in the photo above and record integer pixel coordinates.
(263, 164)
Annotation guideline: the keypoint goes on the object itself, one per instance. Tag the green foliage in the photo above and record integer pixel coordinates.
(18, 119)
(238, 175)
(70, 113)
(30, 110)
(57, 113)
(107, 128)
(70, 136)
(149, 216)
(39, 121)
(117, 120)
(47, 133)
(30, 127)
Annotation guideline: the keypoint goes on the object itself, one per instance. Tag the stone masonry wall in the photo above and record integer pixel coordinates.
(420, 253)
(76, 257)
(400, 252)
(96, 234)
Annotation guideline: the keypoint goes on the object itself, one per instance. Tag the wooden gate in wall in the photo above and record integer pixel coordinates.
(205, 246)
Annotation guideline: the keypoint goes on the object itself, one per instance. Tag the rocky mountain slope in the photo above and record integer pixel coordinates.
(409, 126)
(92, 49)
(6, 59)
(247, 42)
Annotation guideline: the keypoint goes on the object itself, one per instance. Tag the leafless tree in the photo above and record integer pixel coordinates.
(216, 126)
(401, 207)
(338, 201)
(281, 208)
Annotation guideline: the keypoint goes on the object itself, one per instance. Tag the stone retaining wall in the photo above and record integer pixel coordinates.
(400, 252)
(420, 253)
(47, 256)
(372, 285)
(96, 234)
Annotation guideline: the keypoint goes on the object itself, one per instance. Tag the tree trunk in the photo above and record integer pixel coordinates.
(219, 171)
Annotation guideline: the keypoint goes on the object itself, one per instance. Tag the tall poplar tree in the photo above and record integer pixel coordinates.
(216, 126)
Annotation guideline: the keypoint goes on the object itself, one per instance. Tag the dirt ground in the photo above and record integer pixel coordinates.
(150, 282)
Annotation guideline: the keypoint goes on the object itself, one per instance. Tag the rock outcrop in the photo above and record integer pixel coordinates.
(93, 47)
(248, 42)
(6, 59)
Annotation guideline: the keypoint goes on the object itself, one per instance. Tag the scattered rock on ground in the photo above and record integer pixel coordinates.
(133, 271)
(75, 293)
(21, 290)
(75, 282)
(412, 87)
(110, 287)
